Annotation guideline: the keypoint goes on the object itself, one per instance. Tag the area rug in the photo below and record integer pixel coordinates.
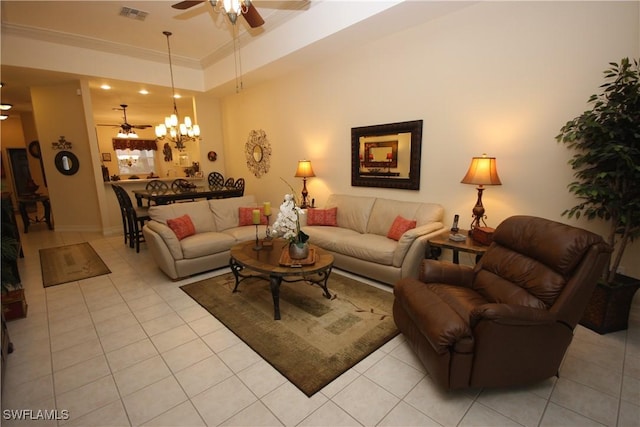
(69, 263)
(317, 338)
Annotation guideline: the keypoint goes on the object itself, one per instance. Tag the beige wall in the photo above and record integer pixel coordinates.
(498, 77)
(58, 111)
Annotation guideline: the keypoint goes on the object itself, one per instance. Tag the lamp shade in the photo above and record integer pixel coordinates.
(482, 171)
(304, 169)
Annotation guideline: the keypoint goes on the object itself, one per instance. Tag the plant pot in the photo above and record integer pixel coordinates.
(297, 251)
(609, 306)
(14, 304)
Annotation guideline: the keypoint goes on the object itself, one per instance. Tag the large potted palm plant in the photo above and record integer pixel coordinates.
(606, 164)
(13, 300)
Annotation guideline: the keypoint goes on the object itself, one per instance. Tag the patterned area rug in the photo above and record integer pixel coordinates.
(318, 338)
(69, 263)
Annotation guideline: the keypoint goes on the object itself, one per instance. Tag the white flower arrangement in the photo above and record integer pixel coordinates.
(287, 223)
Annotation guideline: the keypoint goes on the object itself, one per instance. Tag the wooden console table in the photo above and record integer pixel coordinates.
(24, 201)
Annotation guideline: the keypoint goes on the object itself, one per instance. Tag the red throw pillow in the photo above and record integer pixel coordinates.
(246, 216)
(399, 227)
(322, 217)
(182, 226)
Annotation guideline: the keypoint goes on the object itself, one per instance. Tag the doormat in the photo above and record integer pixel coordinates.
(69, 263)
(317, 338)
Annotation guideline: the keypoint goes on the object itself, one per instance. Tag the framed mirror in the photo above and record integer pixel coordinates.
(387, 155)
(67, 163)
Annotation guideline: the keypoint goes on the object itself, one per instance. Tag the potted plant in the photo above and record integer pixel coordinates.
(606, 139)
(13, 300)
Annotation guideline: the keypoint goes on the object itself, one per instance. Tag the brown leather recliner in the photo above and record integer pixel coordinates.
(508, 320)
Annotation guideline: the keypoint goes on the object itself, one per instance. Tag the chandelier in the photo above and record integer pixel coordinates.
(172, 130)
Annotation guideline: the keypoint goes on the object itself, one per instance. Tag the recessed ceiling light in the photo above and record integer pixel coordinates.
(105, 87)
(143, 92)
(5, 107)
(177, 96)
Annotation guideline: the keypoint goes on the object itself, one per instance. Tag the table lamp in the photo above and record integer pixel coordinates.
(304, 171)
(482, 171)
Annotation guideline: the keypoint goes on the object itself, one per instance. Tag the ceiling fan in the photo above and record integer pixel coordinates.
(232, 8)
(126, 128)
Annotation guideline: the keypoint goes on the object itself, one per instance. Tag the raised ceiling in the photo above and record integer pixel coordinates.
(296, 32)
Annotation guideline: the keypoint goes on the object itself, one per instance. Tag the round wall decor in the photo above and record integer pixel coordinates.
(257, 152)
(67, 163)
(212, 156)
(34, 149)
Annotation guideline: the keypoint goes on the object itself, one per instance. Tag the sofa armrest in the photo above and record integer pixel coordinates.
(168, 238)
(510, 314)
(432, 271)
(409, 238)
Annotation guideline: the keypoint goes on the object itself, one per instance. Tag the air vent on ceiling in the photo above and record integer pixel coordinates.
(128, 12)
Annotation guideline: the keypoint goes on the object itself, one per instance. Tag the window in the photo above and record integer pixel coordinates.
(135, 162)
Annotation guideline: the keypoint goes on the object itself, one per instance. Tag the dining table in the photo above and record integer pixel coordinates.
(160, 197)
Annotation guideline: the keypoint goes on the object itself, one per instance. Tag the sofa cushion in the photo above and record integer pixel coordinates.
(245, 215)
(203, 244)
(353, 211)
(400, 226)
(428, 213)
(199, 213)
(322, 217)
(226, 211)
(182, 226)
(367, 247)
(385, 211)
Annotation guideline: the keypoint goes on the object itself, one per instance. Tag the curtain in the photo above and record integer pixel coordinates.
(134, 144)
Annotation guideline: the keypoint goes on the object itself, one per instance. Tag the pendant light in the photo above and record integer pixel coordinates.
(172, 130)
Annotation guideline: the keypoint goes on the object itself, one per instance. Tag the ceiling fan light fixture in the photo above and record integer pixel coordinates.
(5, 107)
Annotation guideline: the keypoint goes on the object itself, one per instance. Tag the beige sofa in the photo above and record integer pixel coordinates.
(217, 230)
(359, 242)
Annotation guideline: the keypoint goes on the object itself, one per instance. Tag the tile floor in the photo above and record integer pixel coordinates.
(130, 348)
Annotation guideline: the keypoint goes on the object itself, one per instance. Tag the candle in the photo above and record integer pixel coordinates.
(256, 216)
(267, 208)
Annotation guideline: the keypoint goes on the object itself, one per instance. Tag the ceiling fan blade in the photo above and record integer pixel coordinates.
(108, 125)
(252, 16)
(186, 4)
(141, 126)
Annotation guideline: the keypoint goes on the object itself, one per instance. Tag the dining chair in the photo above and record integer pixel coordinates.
(229, 183)
(179, 185)
(239, 185)
(157, 186)
(133, 218)
(216, 180)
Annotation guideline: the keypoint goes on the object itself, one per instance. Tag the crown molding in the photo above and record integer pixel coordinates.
(90, 43)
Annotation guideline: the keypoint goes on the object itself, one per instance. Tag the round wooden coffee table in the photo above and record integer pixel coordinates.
(271, 265)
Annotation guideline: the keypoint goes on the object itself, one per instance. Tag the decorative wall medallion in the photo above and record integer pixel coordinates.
(61, 144)
(168, 154)
(257, 151)
(212, 156)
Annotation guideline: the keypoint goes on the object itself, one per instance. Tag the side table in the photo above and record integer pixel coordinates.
(442, 241)
(24, 201)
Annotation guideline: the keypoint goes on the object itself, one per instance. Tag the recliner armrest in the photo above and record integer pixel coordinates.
(432, 271)
(510, 314)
